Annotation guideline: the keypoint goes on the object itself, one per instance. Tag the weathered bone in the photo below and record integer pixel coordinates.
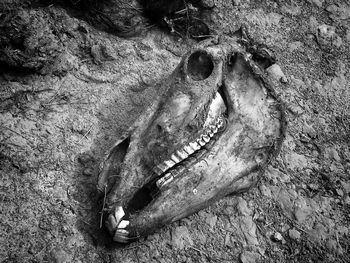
(211, 134)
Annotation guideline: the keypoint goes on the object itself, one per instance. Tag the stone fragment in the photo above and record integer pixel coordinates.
(248, 228)
(60, 256)
(265, 190)
(294, 234)
(181, 238)
(211, 220)
(242, 207)
(316, 2)
(276, 72)
(301, 210)
(326, 35)
(249, 257)
(277, 237)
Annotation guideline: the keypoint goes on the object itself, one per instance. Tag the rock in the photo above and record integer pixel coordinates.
(285, 200)
(249, 257)
(181, 238)
(60, 256)
(316, 2)
(348, 35)
(277, 237)
(265, 190)
(313, 24)
(211, 220)
(331, 244)
(293, 9)
(248, 229)
(301, 210)
(332, 153)
(276, 72)
(339, 192)
(318, 233)
(228, 240)
(297, 45)
(326, 35)
(295, 161)
(242, 207)
(309, 130)
(294, 234)
(339, 11)
(346, 187)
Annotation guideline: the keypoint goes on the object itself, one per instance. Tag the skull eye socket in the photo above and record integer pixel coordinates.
(199, 65)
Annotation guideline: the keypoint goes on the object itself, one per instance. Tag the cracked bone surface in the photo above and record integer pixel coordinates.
(213, 130)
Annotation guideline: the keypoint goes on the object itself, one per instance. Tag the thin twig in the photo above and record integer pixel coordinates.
(103, 206)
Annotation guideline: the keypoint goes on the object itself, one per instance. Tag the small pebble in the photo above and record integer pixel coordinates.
(294, 234)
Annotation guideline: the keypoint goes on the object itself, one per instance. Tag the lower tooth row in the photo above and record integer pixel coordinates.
(187, 150)
(166, 179)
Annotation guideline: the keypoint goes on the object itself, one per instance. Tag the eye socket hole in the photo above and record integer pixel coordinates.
(199, 65)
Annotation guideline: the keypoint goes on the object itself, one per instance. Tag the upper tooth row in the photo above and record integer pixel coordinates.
(189, 149)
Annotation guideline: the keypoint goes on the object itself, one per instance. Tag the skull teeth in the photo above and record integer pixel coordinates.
(195, 146)
(182, 154)
(175, 158)
(166, 179)
(188, 149)
(185, 153)
(123, 224)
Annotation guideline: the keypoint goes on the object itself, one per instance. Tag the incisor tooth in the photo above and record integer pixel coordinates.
(182, 154)
(188, 149)
(175, 158)
(195, 146)
(118, 214)
(123, 224)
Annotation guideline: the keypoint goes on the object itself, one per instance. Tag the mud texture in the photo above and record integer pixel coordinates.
(78, 89)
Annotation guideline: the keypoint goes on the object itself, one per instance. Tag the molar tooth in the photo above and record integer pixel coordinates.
(157, 170)
(205, 138)
(201, 142)
(166, 179)
(169, 163)
(188, 149)
(211, 134)
(195, 146)
(182, 154)
(161, 168)
(175, 158)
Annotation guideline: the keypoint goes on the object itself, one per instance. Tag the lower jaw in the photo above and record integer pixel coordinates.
(148, 192)
(145, 196)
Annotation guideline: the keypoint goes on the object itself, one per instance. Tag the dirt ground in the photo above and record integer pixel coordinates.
(72, 90)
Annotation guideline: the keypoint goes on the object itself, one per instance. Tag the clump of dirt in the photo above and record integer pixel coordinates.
(84, 87)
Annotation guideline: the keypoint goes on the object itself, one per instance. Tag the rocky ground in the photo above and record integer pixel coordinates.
(72, 90)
